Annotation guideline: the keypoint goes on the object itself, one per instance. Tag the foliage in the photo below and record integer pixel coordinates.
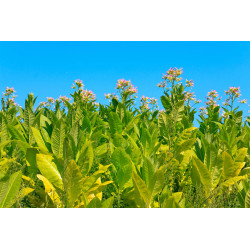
(81, 154)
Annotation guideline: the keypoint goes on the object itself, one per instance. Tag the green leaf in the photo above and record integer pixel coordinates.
(173, 201)
(147, 170)
(241, 155)
(200, 175)
(29, 119)
(89, 181)
(39, 140)
(247, 199)
(49, 170)
(156, 183)
(57, 139)
(115, 123)
(31, 160)
(50, 190)
(72, 182)
(86, 158)
(16, 135)
(108, 203)
(123, 165)
(228, 165)
(95, 203)
(9, 189)
(141, 191)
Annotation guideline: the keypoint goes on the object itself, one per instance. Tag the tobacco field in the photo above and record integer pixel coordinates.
(73, 152)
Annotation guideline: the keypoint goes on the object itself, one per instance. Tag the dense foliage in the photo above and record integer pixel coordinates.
(78, 153)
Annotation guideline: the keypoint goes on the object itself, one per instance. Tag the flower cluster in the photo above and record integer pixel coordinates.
(77, 83)
(233, 91)
(64, 99)
(171, 76)
(88, 95)
(9, 91)
(43, 104)
(146, 101)
(110, 96)
(189, 83)
(212, 99)
(126, 87)
(51, 100)
(244, 101)
(190, 96)
(10, 97)
(232, 94)
(122, 84)
(203, 111)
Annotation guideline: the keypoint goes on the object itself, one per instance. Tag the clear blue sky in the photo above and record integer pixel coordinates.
(49, 68)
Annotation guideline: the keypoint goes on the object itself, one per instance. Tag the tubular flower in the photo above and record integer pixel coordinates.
(9, 91)
(122, 84)
(162, 84)
(212, 98)
(77, 83)
(42, 104)
(189, 83)
(189, 96)
(64, 99)
(233, 91)
(172, 75)
(51, 100)
(110, 96)
(88, 95)
(146, 101)
(244, 101)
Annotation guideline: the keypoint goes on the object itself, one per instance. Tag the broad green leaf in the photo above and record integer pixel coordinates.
(72, 182)
(147, 170)
(141, 191)
(89, 181)
(247, 199)
(108, 203)
(228, 165)
(200, 174)
(156, 182)
(86, 158)
(39, 140)
(57, 139)
(31, 160)
(123, 165)
(9, 189)
(16, 135)
(95, 203)
(49, 170)
(50, 190)
(241, 155)
(115, 123)
(233, 180)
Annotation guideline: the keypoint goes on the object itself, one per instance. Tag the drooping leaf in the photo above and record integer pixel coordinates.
(123, 165)
(72, 182)
(9, 189)
(49, 170)
(142, 194)
(200, 175)
(156, 182)
(50, 190)
(39, 140)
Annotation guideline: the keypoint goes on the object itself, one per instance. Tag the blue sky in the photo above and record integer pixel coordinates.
(49, 68)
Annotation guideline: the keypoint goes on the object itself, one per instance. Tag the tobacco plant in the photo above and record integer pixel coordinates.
(74, 152)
